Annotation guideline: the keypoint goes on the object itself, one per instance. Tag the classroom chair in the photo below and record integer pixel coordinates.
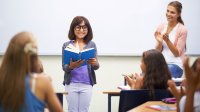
(132, 98)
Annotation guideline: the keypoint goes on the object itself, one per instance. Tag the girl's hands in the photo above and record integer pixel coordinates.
(92, 61)
(176, 93)
(135, 81)
(75, 64)
(165, 37)
(191, 84)
(192, 77)
(158, 37)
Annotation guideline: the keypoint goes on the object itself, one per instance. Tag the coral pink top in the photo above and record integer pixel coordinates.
(180, 38)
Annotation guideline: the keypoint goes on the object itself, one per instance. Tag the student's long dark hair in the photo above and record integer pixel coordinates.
(157, 73)
(76, 21)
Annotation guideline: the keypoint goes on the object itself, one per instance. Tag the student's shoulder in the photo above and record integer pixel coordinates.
(67, 43)
(42, 82)
(43, 78)
(91, 43)
(182, 27)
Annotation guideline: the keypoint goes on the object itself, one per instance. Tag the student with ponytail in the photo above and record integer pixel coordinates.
(171, 39)
(20, 89)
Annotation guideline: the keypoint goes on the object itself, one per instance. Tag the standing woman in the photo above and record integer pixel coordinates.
(78, 80)
(171, 39)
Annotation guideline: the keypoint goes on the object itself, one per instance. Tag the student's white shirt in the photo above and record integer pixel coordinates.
(196, 102)
(169, 56)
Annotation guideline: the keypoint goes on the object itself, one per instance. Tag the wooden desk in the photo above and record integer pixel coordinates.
(110, 94)
(143, 108)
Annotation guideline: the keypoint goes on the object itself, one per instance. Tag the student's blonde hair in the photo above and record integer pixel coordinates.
(13, 70)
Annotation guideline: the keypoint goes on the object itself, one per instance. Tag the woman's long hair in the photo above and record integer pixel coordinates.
(157, 73)
(14, 68)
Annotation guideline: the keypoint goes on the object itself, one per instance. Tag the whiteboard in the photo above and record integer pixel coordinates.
(120, 27)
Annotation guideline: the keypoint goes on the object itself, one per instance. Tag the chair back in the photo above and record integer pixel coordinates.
(132, 98)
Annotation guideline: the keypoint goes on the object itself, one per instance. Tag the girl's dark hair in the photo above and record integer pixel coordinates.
(178, 6)
(76, 21)
(157, 73)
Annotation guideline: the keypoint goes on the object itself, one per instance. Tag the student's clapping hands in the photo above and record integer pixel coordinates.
(135, 81)
(192, 77)
(158, 37)
(165, 37)
(191, 84)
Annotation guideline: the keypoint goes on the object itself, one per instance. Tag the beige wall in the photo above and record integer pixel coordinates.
(108, 77)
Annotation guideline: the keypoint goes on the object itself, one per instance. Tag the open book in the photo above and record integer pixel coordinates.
(161, 107)
(74, 54)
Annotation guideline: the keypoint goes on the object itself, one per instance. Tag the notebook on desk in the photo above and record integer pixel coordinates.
(161, 107)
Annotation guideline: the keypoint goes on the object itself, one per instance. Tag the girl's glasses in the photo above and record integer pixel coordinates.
(78, 28)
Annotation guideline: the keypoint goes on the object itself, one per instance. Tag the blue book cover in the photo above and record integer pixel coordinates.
(76, 55)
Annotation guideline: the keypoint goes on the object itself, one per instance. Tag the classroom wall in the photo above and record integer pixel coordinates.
(108, 77)
(125, 24)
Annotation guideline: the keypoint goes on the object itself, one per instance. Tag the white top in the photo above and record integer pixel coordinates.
(33, 83)
(169, 56)
(196, 102)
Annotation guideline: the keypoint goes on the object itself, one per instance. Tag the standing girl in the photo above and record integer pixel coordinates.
(78, 80)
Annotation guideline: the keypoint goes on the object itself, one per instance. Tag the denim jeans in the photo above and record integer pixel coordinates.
(175, 70)
(79, 97)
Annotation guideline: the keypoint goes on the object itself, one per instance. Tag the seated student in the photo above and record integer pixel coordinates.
(19, 90)
(37, 68)
(190, 102)
(155, 72)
